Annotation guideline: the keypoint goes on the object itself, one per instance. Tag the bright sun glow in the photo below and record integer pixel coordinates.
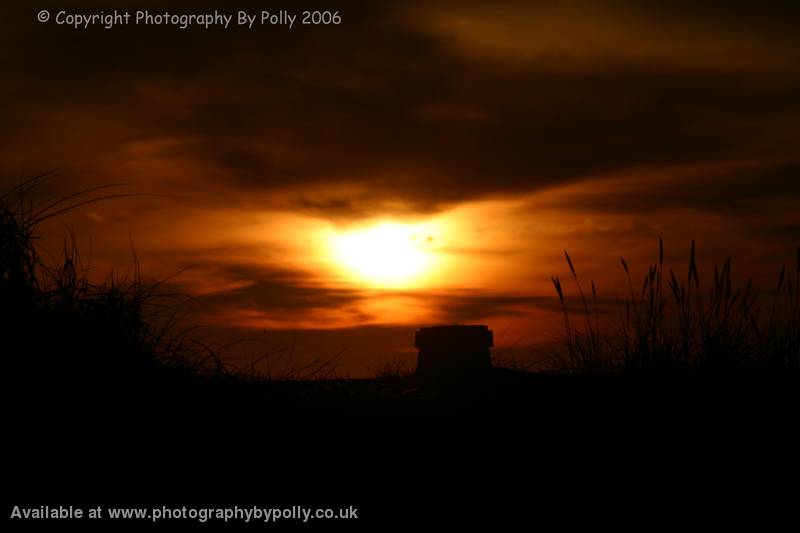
(388, 254)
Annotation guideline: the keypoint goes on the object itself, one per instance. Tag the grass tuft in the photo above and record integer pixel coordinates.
(61, 329)
(675, 326)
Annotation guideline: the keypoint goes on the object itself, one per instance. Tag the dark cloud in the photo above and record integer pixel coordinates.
(783, 232)
(461, 308)
(388, 108)
(735, 189)
(273, 290)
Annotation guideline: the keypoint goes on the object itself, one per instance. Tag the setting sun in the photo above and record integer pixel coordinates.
(388, 254)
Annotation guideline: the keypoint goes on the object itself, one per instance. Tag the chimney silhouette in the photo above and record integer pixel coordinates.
(453, 349)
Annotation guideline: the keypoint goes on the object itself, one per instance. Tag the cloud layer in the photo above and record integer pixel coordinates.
(409, 110)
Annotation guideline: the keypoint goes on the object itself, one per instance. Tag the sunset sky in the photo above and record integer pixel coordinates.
(420, 163)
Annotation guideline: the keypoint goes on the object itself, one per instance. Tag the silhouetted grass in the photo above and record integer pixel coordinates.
(397, 367)
(62, 328)
(677, 325)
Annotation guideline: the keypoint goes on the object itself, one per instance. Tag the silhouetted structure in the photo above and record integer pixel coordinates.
(450, 349)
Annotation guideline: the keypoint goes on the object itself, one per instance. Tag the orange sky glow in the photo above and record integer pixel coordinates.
(337, 188)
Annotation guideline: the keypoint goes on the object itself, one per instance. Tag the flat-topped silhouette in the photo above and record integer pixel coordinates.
(448, 349)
